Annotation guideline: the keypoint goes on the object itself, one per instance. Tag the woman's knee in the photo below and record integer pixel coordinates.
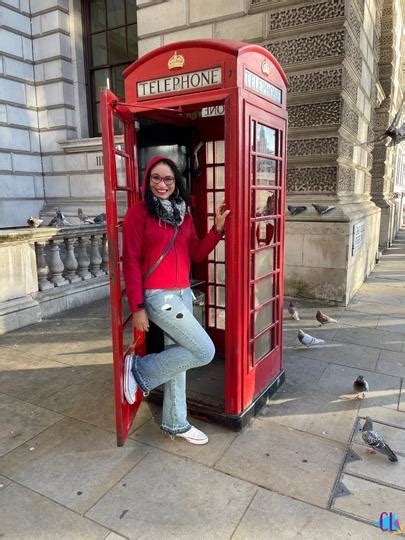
(205, 352)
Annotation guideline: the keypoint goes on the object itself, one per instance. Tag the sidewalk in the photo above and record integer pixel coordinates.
(298, 470)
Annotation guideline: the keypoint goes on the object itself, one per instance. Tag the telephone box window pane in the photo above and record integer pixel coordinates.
(262, 346)
(219, 177)
(265, 140)
(221, 319)
(220, 273)
(132, 42)
(115, 12)
(264, 262)
(211, 203)
(97, 15)
(210, 152)
(101, 80)
(265, 172)
(211, 317)
(120, 168)
(211, 295)
(263, 318)
(264, 233)
(265, 202)
(211, 272)
(220, 251)
(210, 223)
(263, 290)
(210, 178)
(219, 152)
(117, 45)
(221, 296)
(252, 135)
(131, 11)
(99, 49)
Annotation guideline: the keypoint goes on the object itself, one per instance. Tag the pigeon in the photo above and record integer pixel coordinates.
(375, 441)
(83, 217)
(100, 218)
(58, 220)
(323, 209)
(361, 386)
(34, 222)
(323, 318)
(294, 210)
(292, 310)
(308, 340)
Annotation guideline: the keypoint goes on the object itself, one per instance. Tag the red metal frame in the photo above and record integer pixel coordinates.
(244, 381)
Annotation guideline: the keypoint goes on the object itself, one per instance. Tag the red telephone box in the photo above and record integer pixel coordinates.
(218, 108)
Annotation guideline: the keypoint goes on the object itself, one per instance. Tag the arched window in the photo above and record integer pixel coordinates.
(111, 44)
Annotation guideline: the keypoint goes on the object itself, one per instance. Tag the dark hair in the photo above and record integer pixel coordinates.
(180, 191)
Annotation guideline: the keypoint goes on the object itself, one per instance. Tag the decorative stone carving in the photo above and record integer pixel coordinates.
(353, 20)
(350, 119)
(353, 53)
(350, 85)
(312, 147)
(309, 13)
(346, 149)
(325, 79)
(307, 48)
(346, 178)
(312, 179)
(314, 114)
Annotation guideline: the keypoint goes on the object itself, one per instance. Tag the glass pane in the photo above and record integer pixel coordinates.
(263, 233)
(211, 317)
(264, 262)
(262, 346)
(220, 251)
(211, 295)
(97, 15)
(131, 11)
(265, 172)
(120, 167)
(210, 221)
(118, 81)
(99, 49)
(211, 272)
(219, 152)
(97, 122)
(252, 135)
(265, 203)
(221, 319)
(221, 296)
(101, 80)
(220, 274)
(263, 290)
(262, 318)
(115, 13)
(210, 178)
(219, 177)
(132, 42)
(210, 152)
(211, 203)
(117, 48)
(266, 140)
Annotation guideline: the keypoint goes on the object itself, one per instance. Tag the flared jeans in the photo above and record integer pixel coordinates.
(187, 345)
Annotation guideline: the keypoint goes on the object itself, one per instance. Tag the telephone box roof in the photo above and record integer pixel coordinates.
(225, 45)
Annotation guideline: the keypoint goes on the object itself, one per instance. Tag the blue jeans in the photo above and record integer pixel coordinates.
(191, 346)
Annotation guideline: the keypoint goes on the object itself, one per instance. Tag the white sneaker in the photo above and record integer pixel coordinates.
(130, 386)
(194, 436)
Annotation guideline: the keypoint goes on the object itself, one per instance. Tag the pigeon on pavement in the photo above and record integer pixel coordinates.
(361, 386)
(308, 340)
(100, 218)
(376, 441)
(294, 210)
(323, 318)
(83, 217)
(323, 209)
(34, 222)
(58, 220)
(293, 311)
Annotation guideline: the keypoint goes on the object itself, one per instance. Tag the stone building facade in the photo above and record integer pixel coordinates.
(344, 61)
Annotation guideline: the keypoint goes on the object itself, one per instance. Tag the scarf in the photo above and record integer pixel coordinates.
(170, 211)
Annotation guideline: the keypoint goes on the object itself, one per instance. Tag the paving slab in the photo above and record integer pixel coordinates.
(4, 482)
(370, 338)
(168, 496)
(31, 378)
(302, 370)
(357, 318)
(394, 436)
(274, 516)
(72, 463)
(391, 363)
(364, 306)
(21, 421)
(346, 354)
(219, 440)
(114, 536)
(392, 324)
(383, 415)
(25, 515)
(285, 460)
(368, 499)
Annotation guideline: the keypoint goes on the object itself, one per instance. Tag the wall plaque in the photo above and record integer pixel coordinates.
(358, 236)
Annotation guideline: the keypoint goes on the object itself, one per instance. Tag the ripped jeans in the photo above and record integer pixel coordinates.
(190, 347)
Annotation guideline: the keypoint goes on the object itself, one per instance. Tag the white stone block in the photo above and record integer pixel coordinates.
(56, 186)
(52, 118)
(47, 164)
(26, 163)
(5, 161)
(3, 113)
(42, 5)
(87, 185)
(324, 251)
(19, 70)
(212, 9)
(76, 162)
(1, 65)
(39, 72)
(12, 91)
(50, 139)
(18, 266)
(162, 17)
(148, 44)
(12, 3)
(59, 163)
(39, 186)
(58, 93)
(17, 186)
(16, 116)
(54, 20)
(51, 46)
(56, 69)
(196, 32)
(14, 139)
(26, 207)
(27, 48)
(25, 6)
(15, 21)
(248, 27)
(30, 95)
(11, 43)
(36, 26)
(34, 141)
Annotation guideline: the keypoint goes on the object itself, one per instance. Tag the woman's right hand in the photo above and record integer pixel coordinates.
(140, 320)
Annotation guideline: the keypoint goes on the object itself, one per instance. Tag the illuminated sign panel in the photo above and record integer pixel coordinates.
(262, 87)
(178, 83)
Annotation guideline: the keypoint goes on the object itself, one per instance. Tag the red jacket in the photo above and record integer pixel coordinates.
(144, 240)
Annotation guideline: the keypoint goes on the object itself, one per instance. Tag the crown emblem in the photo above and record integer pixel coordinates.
(265, 67)
(176, 61)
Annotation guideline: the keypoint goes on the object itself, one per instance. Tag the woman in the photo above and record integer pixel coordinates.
(159, 245)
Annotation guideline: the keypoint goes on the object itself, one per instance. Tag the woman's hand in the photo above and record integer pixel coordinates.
(220, 217)
(140, 320)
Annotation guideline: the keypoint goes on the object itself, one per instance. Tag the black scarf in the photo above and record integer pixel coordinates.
(171, 211)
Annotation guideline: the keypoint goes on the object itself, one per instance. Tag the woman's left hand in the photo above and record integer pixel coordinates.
(220, 216)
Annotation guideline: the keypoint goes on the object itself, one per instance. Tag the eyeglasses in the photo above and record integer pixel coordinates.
(156, 179)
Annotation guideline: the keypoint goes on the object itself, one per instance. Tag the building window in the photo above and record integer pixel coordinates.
(111, 45)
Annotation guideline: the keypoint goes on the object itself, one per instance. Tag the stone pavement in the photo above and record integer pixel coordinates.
(298, 470)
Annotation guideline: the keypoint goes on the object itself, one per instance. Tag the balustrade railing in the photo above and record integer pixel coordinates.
(70, 254)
